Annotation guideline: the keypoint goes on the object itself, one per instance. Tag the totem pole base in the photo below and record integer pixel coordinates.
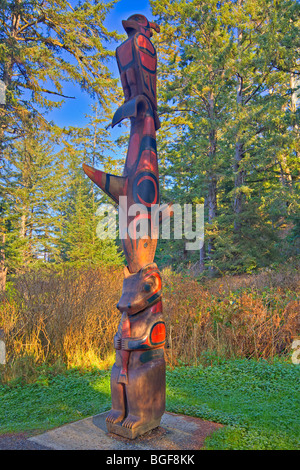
(175, 432)
(132, 433)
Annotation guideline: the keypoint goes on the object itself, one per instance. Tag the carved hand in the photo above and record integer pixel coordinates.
(124, 343)
(117, 342)
(132, 344)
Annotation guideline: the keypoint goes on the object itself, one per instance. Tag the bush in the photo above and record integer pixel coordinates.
(71, 316)
(239, 316)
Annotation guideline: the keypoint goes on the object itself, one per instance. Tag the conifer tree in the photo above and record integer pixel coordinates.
(93, 145)
(45, 45)
(196, 53)
(226, 130)
(32, 186)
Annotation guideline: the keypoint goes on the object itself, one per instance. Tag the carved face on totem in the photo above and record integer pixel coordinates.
(140, 290)
(139, 24)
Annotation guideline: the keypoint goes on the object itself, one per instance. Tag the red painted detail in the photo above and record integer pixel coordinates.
(156, 308)
(125, 327)
(148, 61)
(149, 127)
(157, 275)
(145, 43)
(146, 342)
(144, 162)
(158, 333)
(124, 354)
(153, 163)
(151, 168)
(133, 150)
(96, 176)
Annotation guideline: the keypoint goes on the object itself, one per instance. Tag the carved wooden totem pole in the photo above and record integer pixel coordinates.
(138, 375)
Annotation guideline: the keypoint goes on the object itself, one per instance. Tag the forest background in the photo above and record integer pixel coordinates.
(229, 105)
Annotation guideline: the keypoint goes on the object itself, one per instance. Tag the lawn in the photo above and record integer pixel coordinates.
(258, 401)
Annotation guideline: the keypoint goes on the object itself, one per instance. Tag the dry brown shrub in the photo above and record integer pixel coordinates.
(71, 315)
(229, 318)
(57, 314)
(287, 278)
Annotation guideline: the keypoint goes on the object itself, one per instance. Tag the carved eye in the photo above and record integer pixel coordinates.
(147, 287)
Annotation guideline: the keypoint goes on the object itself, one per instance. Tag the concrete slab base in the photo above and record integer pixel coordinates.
(176, 432)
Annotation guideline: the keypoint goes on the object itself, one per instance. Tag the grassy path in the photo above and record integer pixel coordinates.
(258, 401)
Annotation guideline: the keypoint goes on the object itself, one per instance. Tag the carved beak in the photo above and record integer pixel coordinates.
(155, 27)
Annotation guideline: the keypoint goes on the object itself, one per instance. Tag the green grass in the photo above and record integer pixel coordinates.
(53, 400)
(258, 401)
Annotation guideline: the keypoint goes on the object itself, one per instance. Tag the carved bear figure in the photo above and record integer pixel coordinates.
(138, 375)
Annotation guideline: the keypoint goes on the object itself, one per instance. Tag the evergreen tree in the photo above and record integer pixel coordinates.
(225, 69)
(79, 241)
(31, 189)
(44, 45)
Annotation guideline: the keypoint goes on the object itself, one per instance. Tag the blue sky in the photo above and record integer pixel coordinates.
(125, 8)
(73, 111)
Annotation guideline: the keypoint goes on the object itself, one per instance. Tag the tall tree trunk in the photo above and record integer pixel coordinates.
(23, 235)
(285, 172)
(202, 259)
(8, 67)
(202, 254)
(23, 225)
(212, 211)
(239, 174)
(6, 80)
(295, 98)
(3, 268)
(295, 101)
(239, 178)
(94, 162)
(212, 184)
